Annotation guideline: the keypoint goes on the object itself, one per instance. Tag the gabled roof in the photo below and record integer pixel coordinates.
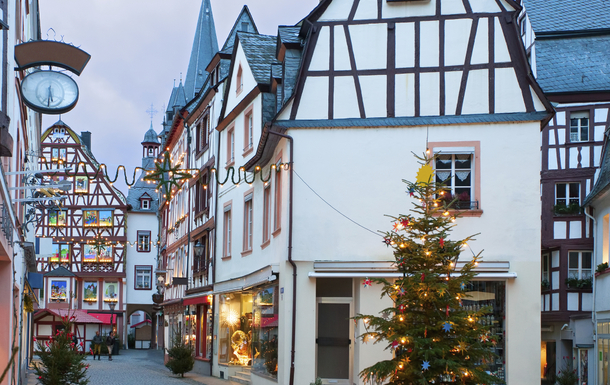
(289, 34)
(578, 64)
(260, 53)
(244, 17)
(567, 15)
(205, 45)
(80, 317)
(60, 272)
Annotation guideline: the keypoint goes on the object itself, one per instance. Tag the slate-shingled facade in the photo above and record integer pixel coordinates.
(567, 43)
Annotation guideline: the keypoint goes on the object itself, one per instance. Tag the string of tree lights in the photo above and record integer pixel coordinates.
(434, 338)
(168, 175)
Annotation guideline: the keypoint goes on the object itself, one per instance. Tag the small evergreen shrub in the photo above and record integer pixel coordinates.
(180, 355)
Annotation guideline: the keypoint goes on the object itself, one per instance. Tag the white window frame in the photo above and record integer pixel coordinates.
(142, 272)
(143, 241)
(248, 223)
(450, 181)
(579, 131)
(568, 198)
(580, 272)
(145, 205)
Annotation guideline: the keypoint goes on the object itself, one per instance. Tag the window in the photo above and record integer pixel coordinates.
(266, 212)
(248, 125)
(455, 172)
(567, 194)
(143, 277)
(226, 250)
(248, 222)
(231, 146)
(579, 126)
(579, 265)
(143, 241)
(240, 80)
(277, 213)
(145, 204)
(58, 155)
(60, 253)
(202, 194)
(545, 269)
(57, 218)
(202, 134)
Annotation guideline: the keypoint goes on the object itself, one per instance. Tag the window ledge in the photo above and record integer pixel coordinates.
(462, 213)
(602, 272)
(226, 257)
(245, 253)
(230, 164)
(202, 359)
(202, 151)
(142, 288)
(276, 232)
(248, 151)
(265, 244)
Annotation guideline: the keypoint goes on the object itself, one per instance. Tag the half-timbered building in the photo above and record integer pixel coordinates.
(81, 242)
(187, 219)
(329, 110)
(566, 43)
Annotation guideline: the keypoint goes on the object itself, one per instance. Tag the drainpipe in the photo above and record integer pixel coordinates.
(294, 266)
(188, 229)
(593, 314)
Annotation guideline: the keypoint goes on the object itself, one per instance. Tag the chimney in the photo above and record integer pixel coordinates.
(85, 137)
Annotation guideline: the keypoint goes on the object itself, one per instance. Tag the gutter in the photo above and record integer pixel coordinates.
(593, 314)
(294, 266)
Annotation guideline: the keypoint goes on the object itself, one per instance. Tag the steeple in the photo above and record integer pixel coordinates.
(243, 23)
(205, 46)
(150, 147)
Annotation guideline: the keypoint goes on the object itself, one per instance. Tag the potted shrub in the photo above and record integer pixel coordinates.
(545, 284)
(602, 267)
(563, 209)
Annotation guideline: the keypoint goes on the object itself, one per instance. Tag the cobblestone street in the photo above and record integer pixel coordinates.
(137, 367)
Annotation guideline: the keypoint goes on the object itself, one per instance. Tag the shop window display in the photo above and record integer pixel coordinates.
(265, 331)
(490, 294)
(235, 329)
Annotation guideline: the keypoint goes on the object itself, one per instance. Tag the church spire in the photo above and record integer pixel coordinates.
(205, 46)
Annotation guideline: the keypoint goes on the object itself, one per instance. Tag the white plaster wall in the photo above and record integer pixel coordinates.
(509, 225)
(405, 51)
(404, 9)
(141, 222)
(337, 10)
(341, 54)
(508, 95)
(404, 90)
(456, 41)
(368, 52)
(345, 101)
(366, 10)
(373, 95)
(320, 56)
(480, 52)
(316, 106)
(477, 84)
(452, 8)
(484, 6)
(429, 34)
(248, 80)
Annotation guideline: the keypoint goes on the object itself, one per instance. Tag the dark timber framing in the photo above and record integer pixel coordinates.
(506, 19)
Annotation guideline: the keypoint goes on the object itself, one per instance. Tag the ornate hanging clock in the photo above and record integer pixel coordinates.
(49, 92)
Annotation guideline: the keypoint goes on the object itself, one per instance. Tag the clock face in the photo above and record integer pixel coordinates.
(49, 92)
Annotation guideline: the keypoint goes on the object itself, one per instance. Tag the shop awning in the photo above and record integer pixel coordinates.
(201, 299)
(105, 318)
(80, 317)
(258, 277)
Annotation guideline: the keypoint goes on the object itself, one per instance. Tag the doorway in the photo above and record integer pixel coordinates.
(334, 340)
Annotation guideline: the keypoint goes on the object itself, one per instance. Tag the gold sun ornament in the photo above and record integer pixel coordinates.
(168, 175)
(425, 173)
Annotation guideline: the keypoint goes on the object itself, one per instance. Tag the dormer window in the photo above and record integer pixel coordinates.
(145, 202)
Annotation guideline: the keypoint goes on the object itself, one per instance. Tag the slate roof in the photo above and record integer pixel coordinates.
(289, 34)
(260, 53)
(205, 45)
(60, 272)
(568, 15)
(578, 64)
(415, 121)
(150, 136)
(243, 17)
(603, 180)
(141, 187)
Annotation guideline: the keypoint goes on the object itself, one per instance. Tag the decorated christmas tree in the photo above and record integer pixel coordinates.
(433, 338)
(61, 361)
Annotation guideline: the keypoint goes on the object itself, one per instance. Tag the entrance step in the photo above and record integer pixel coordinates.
(241, 378)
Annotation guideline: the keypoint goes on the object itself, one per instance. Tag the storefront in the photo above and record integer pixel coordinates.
(248, 330)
